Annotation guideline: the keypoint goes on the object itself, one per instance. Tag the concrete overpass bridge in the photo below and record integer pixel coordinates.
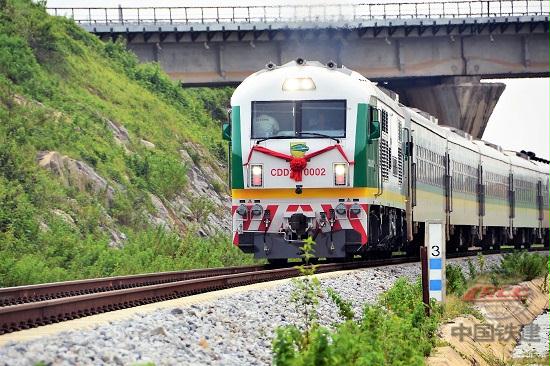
(434, 54)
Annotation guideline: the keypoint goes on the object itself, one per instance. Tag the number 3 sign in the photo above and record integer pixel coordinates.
(435, 242)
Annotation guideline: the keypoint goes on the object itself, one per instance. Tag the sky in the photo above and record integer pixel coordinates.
(520, 120)
(521, 117)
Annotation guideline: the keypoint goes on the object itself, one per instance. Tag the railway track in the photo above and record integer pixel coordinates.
(25, 307)
(49, 291)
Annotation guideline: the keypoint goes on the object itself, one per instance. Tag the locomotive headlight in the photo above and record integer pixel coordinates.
(241, 210)
(355, 209)
(295, 84)
(256, 210)
(341, 209)
(340, 174)
(256, 176)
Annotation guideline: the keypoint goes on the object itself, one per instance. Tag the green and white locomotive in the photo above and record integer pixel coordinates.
(319, 150)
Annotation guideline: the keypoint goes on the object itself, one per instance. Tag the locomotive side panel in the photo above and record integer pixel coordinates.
(390, 165)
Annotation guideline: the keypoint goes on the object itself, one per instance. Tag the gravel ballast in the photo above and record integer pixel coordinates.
(534, 338)
(232, 330)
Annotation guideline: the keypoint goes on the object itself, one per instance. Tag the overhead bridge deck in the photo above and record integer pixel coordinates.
(423, 50)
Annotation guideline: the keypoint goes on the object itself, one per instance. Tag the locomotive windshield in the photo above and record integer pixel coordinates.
(294, 118)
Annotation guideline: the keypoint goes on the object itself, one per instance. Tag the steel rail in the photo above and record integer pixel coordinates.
(48, 291)
(303, 13)
(32, 314)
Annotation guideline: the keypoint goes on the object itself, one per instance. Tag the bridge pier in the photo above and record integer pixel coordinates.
(462, 102)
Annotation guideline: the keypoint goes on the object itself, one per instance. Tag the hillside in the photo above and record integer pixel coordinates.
(106, 166)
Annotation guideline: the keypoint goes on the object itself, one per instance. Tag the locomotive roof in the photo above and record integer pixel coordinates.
(267, 83)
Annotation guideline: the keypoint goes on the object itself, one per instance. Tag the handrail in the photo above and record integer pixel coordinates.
(380, 180)
(303, 13)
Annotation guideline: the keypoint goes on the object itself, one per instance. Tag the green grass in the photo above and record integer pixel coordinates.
(395, 331)
(454, 307)
(59, 86)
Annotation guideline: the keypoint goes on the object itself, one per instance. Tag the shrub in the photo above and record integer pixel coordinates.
(481, 262)
(219, 187)
(307, 291)
(118, 53)
(456, 281)
(127, 208)
(523, 265)
(404, 299)
(34, 269)
(19, 65)
(160, 173)
(344, 307)
(152, 77)
(472, 271)
(383, 336)
(201, 207)
(215, 102)
(495, 280)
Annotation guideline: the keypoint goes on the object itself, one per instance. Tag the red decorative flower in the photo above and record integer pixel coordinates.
(297, 165)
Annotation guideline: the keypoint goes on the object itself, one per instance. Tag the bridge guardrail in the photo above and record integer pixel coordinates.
(303, 13)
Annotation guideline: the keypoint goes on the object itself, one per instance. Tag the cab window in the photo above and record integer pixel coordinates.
(273, 119)
(304, 119)
(324, 117)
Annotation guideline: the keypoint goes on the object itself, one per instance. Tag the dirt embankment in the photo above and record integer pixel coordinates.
(470, 341)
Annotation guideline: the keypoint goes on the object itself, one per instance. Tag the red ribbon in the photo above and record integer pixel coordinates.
(297, 165)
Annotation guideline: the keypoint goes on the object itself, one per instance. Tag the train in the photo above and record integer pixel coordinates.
(318, 150)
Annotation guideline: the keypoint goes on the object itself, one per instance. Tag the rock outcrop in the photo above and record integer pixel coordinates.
(75, 173)
(205, 183)
(147, 144)
(204, 205)
(65, 217)
(119, 132)
(118, 238)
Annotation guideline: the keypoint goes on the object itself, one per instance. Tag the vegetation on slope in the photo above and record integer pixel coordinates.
(60, 90)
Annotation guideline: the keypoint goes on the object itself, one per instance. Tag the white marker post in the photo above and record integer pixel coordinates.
(435, 243)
